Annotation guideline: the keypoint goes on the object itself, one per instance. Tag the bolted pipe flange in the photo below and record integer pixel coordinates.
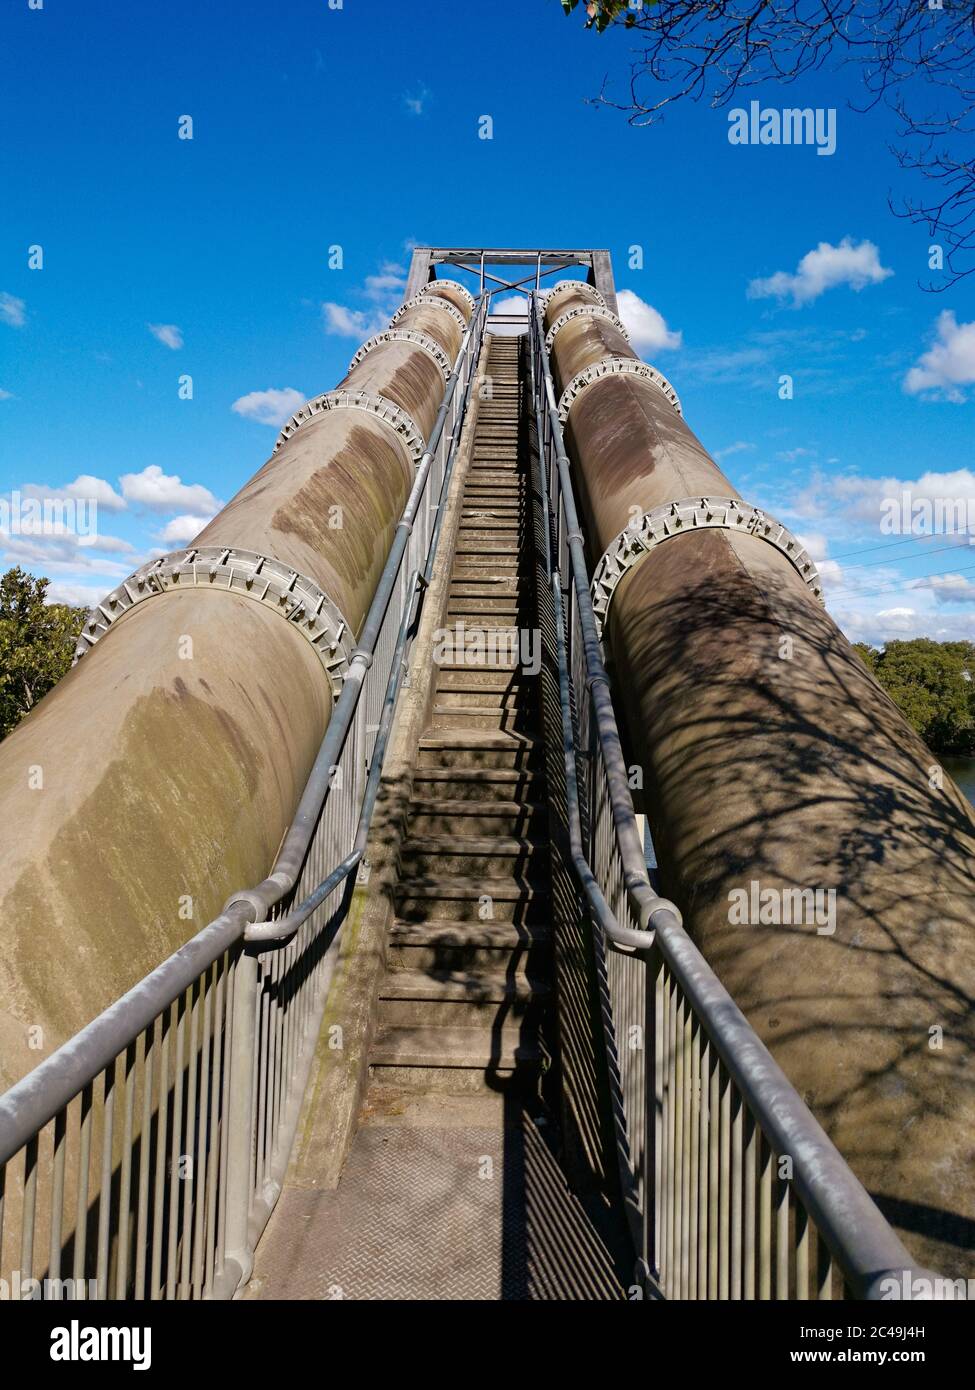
(584, 311)
(611, 366)
(387, 411)
(580, 286)
(424, 298)
(225, 569)
(693, 514)
(432, 286)
(405, 335)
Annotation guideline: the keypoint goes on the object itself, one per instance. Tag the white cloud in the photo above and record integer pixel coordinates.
(391, 280)
(949, 363)
(6, 395)
(161, 492)
(183, 528)
(647, 327)
(85, 488)
(947, 588)
(415, 101)
(77, 595)
(508, 304)
(823, 269)
(61, 553)
(353, 323)
(384, 289)
(947, 497)
(271, 407)
(901, 623)
(167, 333)
(11, 310)
(110, 545)
(739, 447)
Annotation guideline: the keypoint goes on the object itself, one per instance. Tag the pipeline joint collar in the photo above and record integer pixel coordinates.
(426, 298)
(225, 569)
(406, 335)
(614, 366)
(583, 311)
(693, 514)
(432, 287)
(388, 411)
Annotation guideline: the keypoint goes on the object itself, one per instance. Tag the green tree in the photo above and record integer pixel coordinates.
(933, 685)
(37, 642)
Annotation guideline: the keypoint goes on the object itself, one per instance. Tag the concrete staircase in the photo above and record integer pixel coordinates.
(469, 958)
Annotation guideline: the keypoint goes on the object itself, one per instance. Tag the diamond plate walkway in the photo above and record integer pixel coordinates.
(468, 1212)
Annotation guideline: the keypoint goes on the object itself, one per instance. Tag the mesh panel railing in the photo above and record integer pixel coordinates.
(733, 1188)
(143, 1158)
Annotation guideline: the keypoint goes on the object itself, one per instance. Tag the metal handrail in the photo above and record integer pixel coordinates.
(215, 980)
(646, 902)
(854, 1230)
(638, 880)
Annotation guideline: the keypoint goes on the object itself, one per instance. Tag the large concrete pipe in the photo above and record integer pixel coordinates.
(774, 764)
(161, 773)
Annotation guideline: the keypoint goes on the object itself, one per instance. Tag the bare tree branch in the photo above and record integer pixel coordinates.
(916, 57)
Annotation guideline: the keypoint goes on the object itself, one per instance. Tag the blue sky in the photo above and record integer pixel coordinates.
(358, 127)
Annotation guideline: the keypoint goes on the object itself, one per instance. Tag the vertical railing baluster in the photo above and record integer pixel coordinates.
(29, 1209)
(802, 1252)
(57, 1194)
(765, 1221)
(125, 1172)
(750, 1180)
(81, 1206)
(781, 1233)
(105, 1188)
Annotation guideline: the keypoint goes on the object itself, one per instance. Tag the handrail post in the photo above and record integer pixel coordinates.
(238, 1255)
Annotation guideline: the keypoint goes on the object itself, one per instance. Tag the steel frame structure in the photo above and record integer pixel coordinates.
(544, 261)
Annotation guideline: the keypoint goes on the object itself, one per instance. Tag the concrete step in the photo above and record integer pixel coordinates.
(511, 604)
(456, 1013)
(444, 1048)
(461, 676)
(450, 944)
(473, 856)
(481, 749)
(451, 898)
(481, 698)
(477, 986)
(479, 784)
(491, 586)
(467, 678)
(446, 718)
(453, 816)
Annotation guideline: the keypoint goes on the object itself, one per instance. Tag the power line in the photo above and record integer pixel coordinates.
(900, 559)
(897, 588)
(893, 544)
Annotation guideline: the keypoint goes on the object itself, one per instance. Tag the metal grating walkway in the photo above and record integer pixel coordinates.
(470, 1212)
